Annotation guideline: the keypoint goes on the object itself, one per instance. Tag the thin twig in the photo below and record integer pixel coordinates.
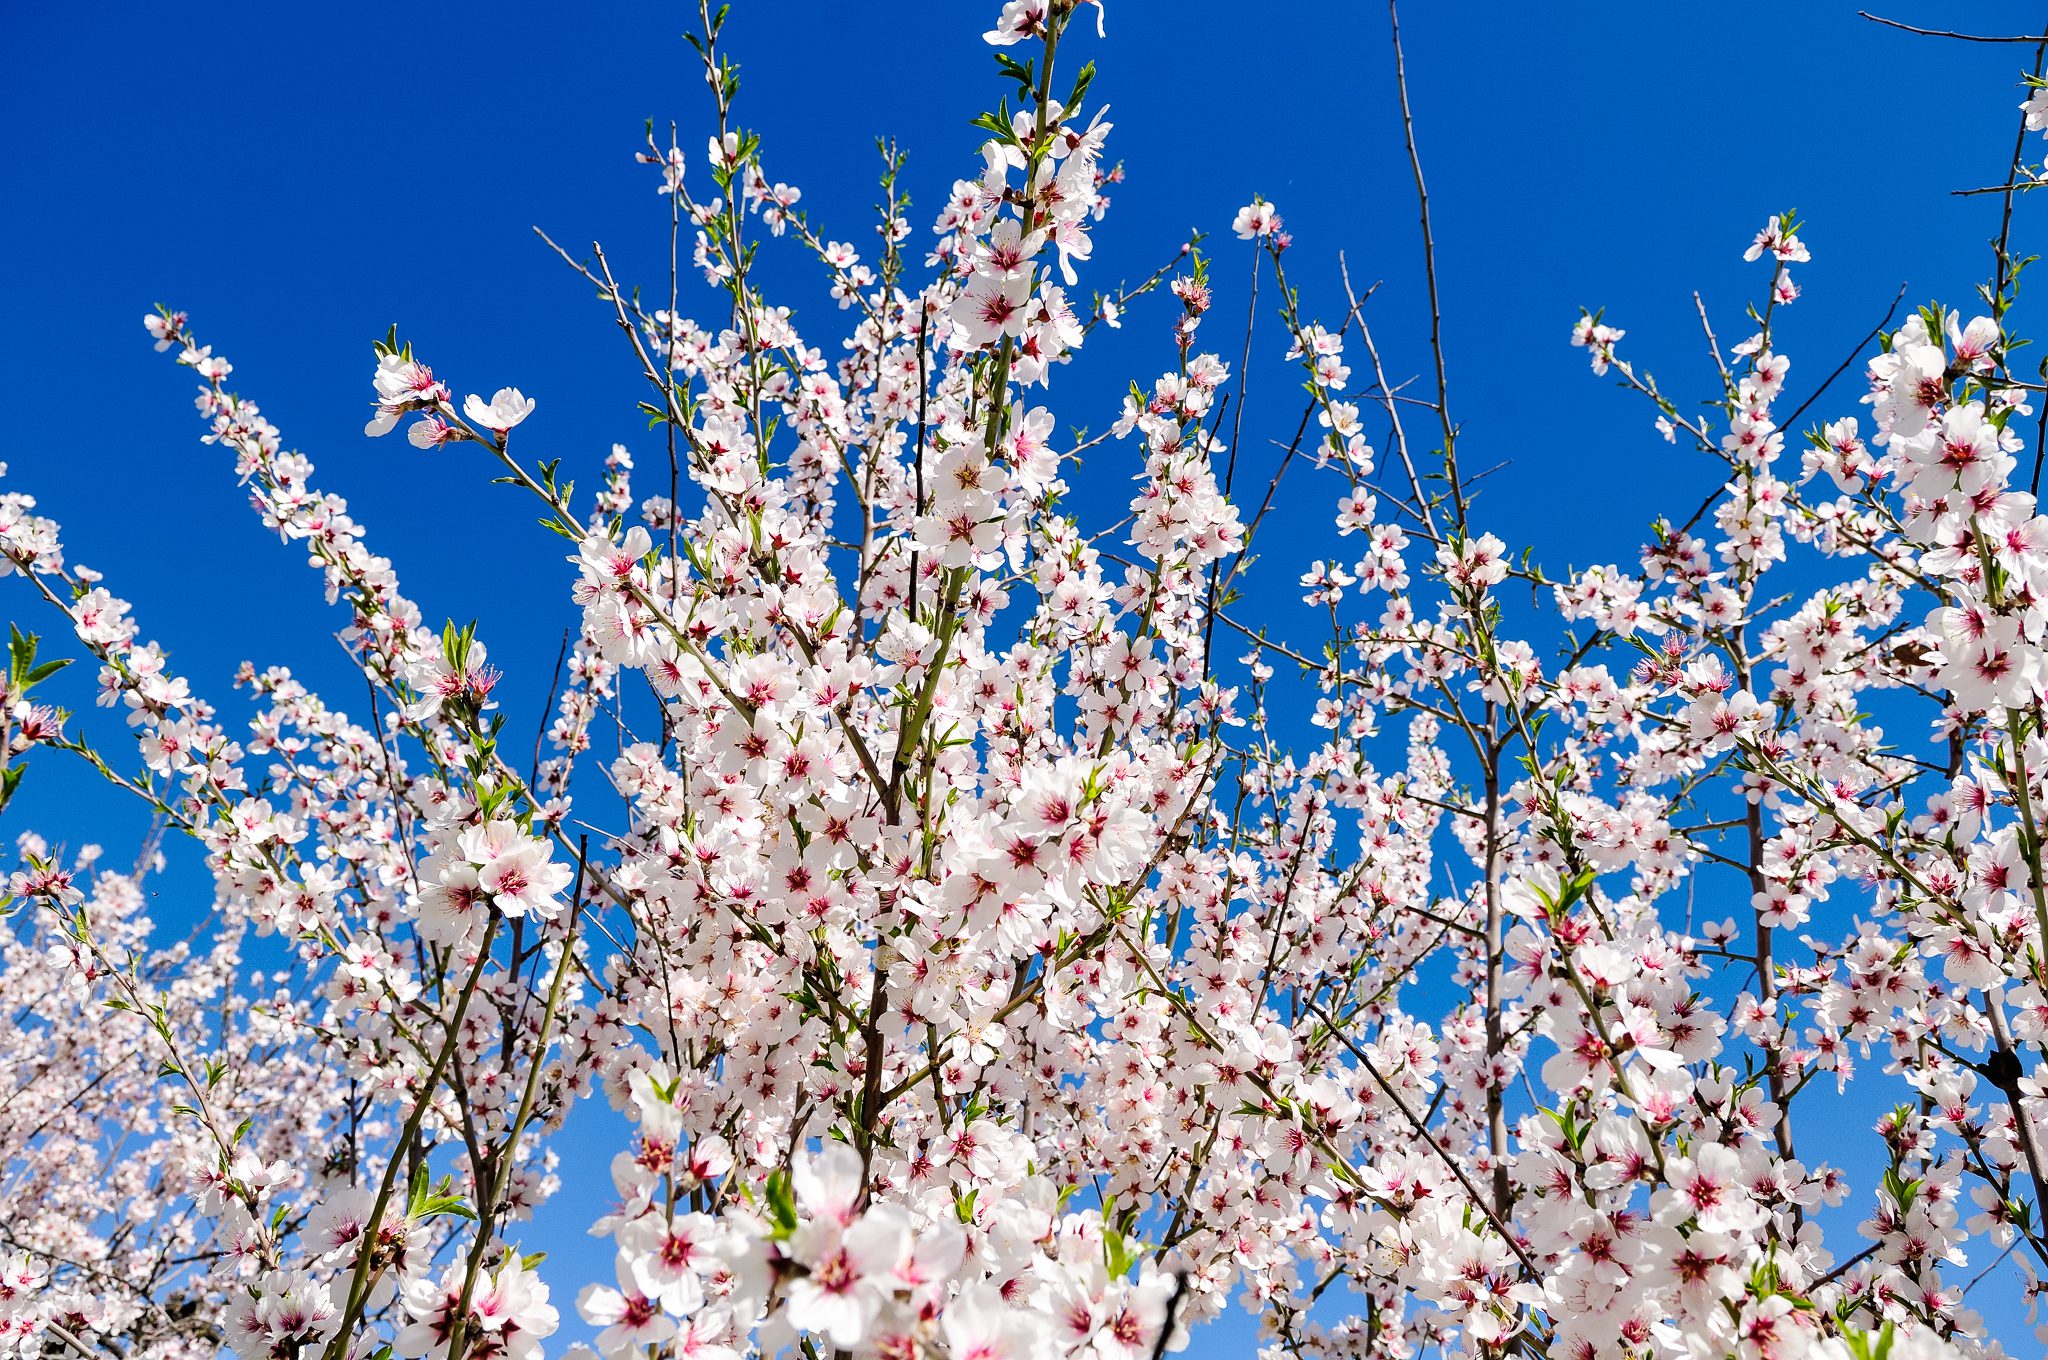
(1875, 331)
(1944, 33)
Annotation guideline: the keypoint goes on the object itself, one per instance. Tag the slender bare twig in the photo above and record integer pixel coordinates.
(1945, 33)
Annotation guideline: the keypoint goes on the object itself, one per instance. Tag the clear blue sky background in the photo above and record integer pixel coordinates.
(300, 177)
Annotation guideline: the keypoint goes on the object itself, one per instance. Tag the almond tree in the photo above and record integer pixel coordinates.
(985, 959)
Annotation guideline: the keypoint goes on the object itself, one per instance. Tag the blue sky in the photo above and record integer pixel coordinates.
(301, 177)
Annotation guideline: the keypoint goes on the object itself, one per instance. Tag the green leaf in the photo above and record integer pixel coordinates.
(781, 1205)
